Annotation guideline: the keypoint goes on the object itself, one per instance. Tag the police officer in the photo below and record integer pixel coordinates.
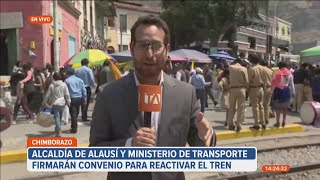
(267, 90)
(238, 77)
(257, 81)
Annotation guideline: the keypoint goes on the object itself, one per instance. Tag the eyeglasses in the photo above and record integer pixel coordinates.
(156, 47)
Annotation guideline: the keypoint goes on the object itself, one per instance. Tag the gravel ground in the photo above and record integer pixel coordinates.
(292, 157)
(309, 175)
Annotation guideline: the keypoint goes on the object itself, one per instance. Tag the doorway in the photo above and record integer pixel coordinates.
(52, 52)
(4, 59)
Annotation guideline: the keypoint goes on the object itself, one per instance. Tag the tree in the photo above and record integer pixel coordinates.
(191, 21)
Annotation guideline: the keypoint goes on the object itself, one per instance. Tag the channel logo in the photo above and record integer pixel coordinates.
(149, 98)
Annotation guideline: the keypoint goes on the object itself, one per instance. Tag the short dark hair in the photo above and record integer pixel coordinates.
(37, 71)
(57, 76)
(84, 61)
(49, 67)
(242, 55)
(264, 63)
(304, 65)
(282, 64)
(255, 59)
(151, 20)
(106, 63)
(26, 67)
(70, 71)
(238, 60)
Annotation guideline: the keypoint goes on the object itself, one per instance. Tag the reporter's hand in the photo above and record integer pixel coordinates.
(204, 129)
(144, 137)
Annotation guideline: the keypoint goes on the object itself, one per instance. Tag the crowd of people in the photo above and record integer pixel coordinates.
(230, 85)
(272, 91)
(64, 92)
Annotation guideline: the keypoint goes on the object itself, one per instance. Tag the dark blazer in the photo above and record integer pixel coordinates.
(116, 118)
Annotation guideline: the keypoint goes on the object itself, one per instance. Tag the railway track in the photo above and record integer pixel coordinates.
(314, 166)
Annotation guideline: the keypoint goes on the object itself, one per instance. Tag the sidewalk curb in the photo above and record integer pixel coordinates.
(21, 155)
(226, 135)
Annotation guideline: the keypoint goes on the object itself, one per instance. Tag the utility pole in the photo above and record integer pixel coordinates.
(56, 48)
(121, 29)
(277, 29)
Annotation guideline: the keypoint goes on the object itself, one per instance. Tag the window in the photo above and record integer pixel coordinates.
(123, 22)
(125, 47)
(283, 31)
(252, 41)
(85, 24)
(289, 31)
(72, 46)
(111, 22)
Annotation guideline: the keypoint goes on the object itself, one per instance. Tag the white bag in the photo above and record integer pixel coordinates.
(65, 116)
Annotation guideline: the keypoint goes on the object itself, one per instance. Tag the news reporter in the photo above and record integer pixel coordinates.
(116, 119)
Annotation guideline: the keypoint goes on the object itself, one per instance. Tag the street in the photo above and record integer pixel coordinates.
(15, 137)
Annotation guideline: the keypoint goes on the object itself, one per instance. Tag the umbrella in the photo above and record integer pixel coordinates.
(95, 57)
(315, 51)
(122, 56)
(126, 56)
(222, 55)
(173, 57)
(311, 55)
(191, 55)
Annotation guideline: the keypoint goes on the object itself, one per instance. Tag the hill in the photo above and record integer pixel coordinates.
(304, 16)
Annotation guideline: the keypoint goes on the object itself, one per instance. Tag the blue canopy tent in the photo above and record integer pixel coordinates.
(122, 56)
(222, 55)
(192, 55)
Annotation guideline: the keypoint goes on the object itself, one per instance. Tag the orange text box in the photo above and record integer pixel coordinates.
(276, 168)
(40, 19)
(52, 142)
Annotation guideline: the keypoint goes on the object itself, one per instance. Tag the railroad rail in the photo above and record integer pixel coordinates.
(293, 169)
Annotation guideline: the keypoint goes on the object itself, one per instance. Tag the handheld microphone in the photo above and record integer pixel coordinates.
(149, 100)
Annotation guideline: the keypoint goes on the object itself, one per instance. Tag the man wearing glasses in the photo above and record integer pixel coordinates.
(116, 119)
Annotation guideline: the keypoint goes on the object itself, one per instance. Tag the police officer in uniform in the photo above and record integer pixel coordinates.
(257, 79)
(238, 77)
(267, 90)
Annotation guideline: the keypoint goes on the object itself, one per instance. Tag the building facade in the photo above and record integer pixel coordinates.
(118, 29)
(81, 25)
(253, 39)
(33, 43)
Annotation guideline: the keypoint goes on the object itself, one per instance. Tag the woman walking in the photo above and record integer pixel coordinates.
(22, 100)
(58, 96)
(283, 89)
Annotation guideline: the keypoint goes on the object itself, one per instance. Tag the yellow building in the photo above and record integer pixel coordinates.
(283, 30)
